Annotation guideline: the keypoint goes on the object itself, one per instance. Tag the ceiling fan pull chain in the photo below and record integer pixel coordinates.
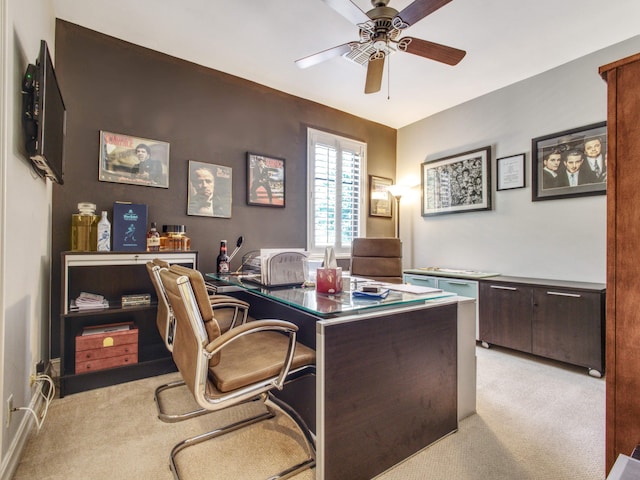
(389, 78)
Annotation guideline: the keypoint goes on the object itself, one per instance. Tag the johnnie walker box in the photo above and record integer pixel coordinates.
(129, 227)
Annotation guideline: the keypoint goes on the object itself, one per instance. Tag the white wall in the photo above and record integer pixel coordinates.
(25, 224)
(555, 239)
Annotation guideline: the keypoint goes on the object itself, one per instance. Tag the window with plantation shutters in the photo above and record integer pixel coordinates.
(336, 167)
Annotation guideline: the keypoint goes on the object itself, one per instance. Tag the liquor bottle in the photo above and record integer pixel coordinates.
(223, 259)
(153, 239)
(104, 233)
(84, 228)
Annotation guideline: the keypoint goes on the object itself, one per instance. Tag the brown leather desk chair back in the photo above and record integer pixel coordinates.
(226, 369)
(229, 312)
(377, 258)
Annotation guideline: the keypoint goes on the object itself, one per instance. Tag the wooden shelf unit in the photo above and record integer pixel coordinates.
(113, 274)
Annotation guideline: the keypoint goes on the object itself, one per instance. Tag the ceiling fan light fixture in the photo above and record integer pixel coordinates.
(379, 31)
(361, 53)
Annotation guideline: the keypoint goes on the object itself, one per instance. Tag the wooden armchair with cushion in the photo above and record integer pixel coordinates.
(377, 258)
(241, 365)
(229, 310)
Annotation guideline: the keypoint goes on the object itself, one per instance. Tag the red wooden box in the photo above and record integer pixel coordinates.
(106, 346)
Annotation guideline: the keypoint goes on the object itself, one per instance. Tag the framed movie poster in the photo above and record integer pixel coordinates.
(458, 183)
(133, 160)
(265, 180)
(209, 193)
(572, 163)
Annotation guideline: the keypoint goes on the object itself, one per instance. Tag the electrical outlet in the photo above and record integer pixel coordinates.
(9, 410)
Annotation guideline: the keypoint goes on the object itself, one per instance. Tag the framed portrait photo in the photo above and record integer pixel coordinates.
(458, 183)
(133, 160)
(572, 163)
(379, 196)
(265, 180)
(209, 190)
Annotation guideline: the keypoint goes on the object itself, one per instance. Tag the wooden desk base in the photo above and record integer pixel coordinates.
(386, 384)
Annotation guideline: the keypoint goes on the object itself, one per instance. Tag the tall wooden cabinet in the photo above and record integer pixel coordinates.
(623, 257)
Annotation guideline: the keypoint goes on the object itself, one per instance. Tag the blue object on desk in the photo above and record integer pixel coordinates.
(379, 294)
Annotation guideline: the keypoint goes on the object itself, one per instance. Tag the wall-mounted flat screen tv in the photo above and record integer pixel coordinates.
(44, 117)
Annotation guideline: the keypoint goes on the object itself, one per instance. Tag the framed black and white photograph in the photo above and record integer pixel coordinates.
(379, 196)
(510, 172)
(265, 180)
(457, 183)
(209, 193)
(572, 163)
(133, 160)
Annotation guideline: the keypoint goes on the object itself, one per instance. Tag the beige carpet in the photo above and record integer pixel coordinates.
(536, 420)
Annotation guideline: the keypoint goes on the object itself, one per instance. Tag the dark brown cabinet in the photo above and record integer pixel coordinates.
(505, 315)
(568, 325)
(112, 274)
(623, 257)
(553, 319)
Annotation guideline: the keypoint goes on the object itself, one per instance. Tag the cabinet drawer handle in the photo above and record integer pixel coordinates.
(458, 283)
(504, 288)
(562, 294)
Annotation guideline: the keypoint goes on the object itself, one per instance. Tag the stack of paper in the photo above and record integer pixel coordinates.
(88, 301)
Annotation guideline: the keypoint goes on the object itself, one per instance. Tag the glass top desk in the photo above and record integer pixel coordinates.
(328, 305)
(379, 362)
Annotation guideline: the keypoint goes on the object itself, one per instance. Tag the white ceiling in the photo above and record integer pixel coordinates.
(506, 41)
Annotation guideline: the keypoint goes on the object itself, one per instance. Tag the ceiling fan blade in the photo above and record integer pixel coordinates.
(324, 55)
(430, 50)
(375, 69)
(349, 10)
(419, 9)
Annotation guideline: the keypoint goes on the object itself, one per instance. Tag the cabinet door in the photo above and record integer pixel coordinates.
(421, 280)
(568, 326)
(505, 315)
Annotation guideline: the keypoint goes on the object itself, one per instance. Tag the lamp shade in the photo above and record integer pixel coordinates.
(397, 190)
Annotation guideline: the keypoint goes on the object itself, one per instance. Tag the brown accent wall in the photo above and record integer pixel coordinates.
(205, 115)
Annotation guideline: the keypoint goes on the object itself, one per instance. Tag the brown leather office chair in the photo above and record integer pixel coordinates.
(230, 310)
(241, 365)
(377, 258)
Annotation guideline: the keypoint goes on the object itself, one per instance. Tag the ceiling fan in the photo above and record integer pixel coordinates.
(380, 29)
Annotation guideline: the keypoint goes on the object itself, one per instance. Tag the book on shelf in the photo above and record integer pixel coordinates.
(102, 329)
(75, 307)
(88, 301)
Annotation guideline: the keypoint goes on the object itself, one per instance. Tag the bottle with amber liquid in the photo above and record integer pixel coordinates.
(153, 239)
(223, 259)
(84, 228)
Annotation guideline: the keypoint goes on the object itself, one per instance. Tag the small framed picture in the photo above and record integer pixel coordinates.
(209, 193)
(510, 172)
(572, 163)
(265, 180)
(379, 196)
(133, 160)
